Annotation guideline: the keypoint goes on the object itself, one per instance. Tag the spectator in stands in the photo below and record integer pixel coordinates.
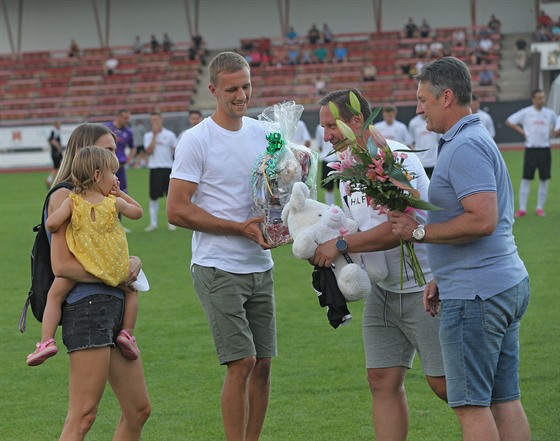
(486, 75)
(320, 53)
(198, 41)
(420, 49)
(56, 152)
(306, 55)
(458, 37)
(369, 72)
(494, 25)
(544, 21)
(256, 57)
(74, 50)
(555, 32)
(328, 35)
(192, 52)
(137, 45)
(535, 123)
(424, 139)
(410, 29)
(154, 44)
(291, 36)
(542, 35)
(320, 85)
(425, 29)
(521, 53)
(486, 44)
(485, 118)
(340, 53)
(324, 148)
(313, 35)
(293, 55)
(392, 129)
(436, 48)
(111, 64)
(167, 44)
(125, 141)
(160, 146)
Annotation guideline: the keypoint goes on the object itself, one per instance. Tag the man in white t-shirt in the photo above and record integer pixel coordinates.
(535, 123)
(159, 144)
(395, 325)
(231, 266)
(392, 129)
(424, 139)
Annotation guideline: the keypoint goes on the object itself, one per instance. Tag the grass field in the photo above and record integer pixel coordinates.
(319, 388)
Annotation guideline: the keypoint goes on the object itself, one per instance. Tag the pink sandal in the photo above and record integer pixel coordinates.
(44, 350)
(127, 345)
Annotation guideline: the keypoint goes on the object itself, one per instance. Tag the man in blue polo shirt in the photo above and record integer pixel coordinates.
(479, 277)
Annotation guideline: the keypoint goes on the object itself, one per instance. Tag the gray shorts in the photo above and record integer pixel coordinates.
(240, 309)
(93, 322)
(395, 327)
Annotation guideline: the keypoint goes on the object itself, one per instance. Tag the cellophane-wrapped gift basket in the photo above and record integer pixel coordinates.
(278, 168)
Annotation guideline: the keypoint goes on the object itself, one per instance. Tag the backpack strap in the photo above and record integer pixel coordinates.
(64, 184)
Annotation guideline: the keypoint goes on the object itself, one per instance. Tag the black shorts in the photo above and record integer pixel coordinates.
(324, 174)
(159, 182)
(537, 158)
(56, 156)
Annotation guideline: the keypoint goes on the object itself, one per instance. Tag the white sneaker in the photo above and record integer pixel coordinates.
(150, 228)
(171, 227)
(127, 230)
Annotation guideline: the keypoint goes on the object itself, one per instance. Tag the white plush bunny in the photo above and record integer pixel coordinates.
(311, 223)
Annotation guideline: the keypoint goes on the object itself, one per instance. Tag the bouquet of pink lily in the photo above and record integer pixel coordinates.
(371, 167)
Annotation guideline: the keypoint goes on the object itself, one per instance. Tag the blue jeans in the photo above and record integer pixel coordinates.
(480, 346)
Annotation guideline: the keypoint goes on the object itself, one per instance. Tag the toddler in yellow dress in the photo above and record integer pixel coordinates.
(97, 239)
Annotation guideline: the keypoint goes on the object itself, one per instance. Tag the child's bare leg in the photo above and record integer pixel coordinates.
(125, 340)
(130, 310)
(53, 309)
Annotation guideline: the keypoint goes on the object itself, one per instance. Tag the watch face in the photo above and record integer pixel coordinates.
(418, 233)
(341, 245)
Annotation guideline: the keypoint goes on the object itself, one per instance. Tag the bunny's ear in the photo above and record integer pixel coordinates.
(300, 193)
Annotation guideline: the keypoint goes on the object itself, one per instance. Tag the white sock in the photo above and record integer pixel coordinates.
(329, 197)
(541, 195)
(524, 193)
(154, 208)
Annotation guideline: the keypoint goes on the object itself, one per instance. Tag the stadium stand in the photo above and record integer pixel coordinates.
(42, 86)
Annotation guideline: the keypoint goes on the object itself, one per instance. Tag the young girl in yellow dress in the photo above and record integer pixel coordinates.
(97, 239)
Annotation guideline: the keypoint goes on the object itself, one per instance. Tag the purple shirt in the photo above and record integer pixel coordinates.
(124, 138)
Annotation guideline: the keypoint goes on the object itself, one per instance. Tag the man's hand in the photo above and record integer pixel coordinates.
(325, 254)
(403, 224)
(431, 298)
(251, 230)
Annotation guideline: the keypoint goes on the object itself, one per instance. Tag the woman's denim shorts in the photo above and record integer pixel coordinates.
(93, 322)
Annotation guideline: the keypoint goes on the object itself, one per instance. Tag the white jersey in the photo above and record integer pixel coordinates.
(536, 124)
(424, 139)
(487, 121)
(162, 156)
(221, 163)
(395, 132)
(356, 207)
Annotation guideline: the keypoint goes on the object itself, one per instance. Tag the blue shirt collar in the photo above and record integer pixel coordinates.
(457, 127)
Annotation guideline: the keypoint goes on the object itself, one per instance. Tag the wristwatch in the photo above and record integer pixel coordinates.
(342, 245)
(418, 233)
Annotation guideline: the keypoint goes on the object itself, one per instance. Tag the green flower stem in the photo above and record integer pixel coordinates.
(414, 263)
